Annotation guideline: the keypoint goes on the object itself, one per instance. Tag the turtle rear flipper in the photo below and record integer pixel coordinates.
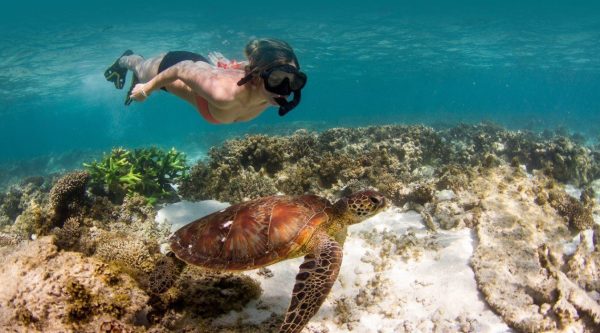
(317, 274)
(115, 73)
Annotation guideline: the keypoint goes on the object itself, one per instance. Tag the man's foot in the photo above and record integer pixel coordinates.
(134, 81)
(116, 73)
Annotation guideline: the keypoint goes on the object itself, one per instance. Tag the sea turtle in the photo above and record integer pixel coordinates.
(267, 230)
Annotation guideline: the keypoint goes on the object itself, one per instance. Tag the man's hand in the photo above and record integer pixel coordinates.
(138, 93)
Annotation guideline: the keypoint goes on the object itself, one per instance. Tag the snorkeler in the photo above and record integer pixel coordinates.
(223, 91)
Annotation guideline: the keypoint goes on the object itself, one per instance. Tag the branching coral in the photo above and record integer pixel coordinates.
(146, 171)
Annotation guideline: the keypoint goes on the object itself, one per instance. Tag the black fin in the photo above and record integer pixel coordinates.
(116, 73)
(134, 81)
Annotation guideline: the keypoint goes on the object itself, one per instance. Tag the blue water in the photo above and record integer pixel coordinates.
(519, 64)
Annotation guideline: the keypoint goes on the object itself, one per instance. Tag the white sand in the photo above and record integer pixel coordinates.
(184, 212)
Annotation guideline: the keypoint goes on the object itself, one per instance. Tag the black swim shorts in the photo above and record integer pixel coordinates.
(174, 57)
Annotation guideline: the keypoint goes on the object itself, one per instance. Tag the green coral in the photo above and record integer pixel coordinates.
(146, 171)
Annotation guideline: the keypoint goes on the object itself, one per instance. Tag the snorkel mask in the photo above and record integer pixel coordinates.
(282, 80)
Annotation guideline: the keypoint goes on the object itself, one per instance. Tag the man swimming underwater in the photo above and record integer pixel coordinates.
(224, 92)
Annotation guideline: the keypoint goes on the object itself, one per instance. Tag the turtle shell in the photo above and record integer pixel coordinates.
(251, 234)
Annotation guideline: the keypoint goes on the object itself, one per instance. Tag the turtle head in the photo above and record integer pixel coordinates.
(360, 206)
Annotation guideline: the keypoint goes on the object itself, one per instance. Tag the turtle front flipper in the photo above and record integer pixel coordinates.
(314, 281)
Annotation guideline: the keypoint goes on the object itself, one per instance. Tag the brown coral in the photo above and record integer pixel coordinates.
(211, 294)
(166, 271)
(579, 216)
(69, 235)
(67, 195)
(420, 194)
(335, 158)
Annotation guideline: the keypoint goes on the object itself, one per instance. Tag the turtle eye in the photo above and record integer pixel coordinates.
(374, 200)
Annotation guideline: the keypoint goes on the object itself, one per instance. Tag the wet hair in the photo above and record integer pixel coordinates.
(265, 53)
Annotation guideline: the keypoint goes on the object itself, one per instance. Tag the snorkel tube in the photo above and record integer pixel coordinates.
(286, 106)
(246, 79)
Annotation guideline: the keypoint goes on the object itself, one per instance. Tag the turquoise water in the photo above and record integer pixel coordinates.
(524, 66)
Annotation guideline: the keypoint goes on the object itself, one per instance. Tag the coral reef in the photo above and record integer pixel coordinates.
(123, 240)
(9, 239)
(164, 274)
(69, 235)
(49, 291)
(102, 270)
(574, 306)
(18, 197)
(35, 220)
(307, 162)
(188, 301)
(385, 157)
(38, 211)
(131, 254)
